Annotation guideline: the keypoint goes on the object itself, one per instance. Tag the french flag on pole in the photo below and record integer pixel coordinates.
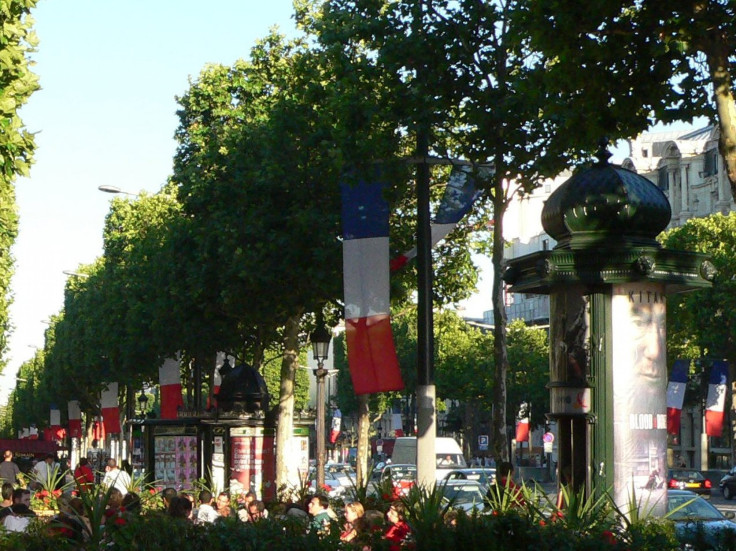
(460, 194)
(336, 426)
(522, 425)
(110, 411)
(676, 395)
(716, 400)
(169, 377)
(374, 366)
(75, 419)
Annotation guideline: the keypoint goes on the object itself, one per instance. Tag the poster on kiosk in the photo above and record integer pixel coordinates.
(638, 312)
(252, 461)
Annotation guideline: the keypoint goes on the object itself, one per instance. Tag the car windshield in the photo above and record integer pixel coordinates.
(690, 507)
(450, 460)
(403, 473)
(463, 493)
(687, 475)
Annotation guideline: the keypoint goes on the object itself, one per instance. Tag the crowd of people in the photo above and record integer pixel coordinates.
(356, 524)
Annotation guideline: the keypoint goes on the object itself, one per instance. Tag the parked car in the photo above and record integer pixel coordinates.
(688, 479)
(402, 476)
(696, 519)
(484, 476)
(333, 486)
(463, 494)
(343, 472)
(728, 484)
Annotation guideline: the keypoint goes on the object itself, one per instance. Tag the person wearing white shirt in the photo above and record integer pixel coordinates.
(115, 477)
(44, 470)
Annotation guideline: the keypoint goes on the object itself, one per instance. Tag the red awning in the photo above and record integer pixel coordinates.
(29, 447)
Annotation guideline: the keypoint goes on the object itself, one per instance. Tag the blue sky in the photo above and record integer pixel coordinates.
(106, 114)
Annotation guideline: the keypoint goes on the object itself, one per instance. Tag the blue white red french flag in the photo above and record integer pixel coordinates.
(676, 395)
(374, 366)
(716, 400)
(75, 419)
(169, 377)
(460, 194)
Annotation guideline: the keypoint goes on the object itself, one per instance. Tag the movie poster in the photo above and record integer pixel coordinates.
(638, 312)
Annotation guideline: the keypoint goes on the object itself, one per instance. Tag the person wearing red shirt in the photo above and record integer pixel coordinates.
(398, 529)
(83, 475)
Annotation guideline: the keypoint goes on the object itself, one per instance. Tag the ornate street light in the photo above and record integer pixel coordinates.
(142, 403)
(320, 339)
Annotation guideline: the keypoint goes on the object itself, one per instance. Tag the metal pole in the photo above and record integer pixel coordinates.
(321, 373)
(426, 411)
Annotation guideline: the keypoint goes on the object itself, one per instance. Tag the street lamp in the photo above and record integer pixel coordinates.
(142, 403)
(320, 349)
(115, 189)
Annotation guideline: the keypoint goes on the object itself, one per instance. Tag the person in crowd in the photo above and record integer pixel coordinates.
(321, 519)
(17, 517)
(114, 503)
(244, 500)
(132, 503)
(180, 507)
(44, 471)
(114, 477)
(83, 475)
(256, 511)
(7, 495)
(67, 523)
(398, 529)
(9, 469)
(505, 488)
(95, 458)
(224, 509)
(167, 494)
(354, 521)
(206, 512)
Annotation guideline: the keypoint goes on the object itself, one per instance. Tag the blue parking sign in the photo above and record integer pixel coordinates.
(483, 442)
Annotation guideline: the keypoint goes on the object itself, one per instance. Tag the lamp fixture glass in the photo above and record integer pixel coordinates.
(320, 338)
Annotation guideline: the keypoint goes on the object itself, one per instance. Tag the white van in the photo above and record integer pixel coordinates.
(447, 451)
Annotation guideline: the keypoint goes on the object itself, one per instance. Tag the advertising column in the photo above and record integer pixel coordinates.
(639, 396)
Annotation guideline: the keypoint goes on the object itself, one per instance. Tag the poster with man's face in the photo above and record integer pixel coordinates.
(638, 312)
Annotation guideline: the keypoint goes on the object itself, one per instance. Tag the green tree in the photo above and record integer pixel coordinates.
(643, 60)
(17, 83)
(703, 323)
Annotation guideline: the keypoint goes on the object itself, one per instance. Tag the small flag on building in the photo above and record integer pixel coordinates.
(522, 424)
(169, 377)
(336, 426)
(716, 400)
(110, 411)
(676, 395)
(75, 419)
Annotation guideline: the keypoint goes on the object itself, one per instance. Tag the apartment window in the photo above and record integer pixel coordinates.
(663, 179)
(711, 162)
(645, 153)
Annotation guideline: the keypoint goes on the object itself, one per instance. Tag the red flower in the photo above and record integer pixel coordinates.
(120, 521)
(608, 537)
(110, 512)
(542, 523)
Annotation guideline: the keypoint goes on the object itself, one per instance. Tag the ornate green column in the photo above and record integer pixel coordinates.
(608, 279)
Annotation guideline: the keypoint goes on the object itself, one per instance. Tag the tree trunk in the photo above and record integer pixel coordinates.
(287, 477)
(498, 424)
(364, 424)
(717, 52)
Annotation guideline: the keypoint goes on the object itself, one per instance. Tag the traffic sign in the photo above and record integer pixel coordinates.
(483, 442)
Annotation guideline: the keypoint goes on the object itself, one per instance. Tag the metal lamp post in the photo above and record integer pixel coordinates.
(320, 349)
(142, 403)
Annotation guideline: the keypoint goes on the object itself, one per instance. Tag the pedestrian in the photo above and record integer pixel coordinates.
(224, 510)
(7, 495)
(321, 519)
(96, 459)
(244, 500)
(9, 469)
(180, 507)
(354, 521)
(83, 475)
(17, 517)
(398, 530)
(114, 477)
(256, 511)
(206, 512)
(167, 494)
(43, 472)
